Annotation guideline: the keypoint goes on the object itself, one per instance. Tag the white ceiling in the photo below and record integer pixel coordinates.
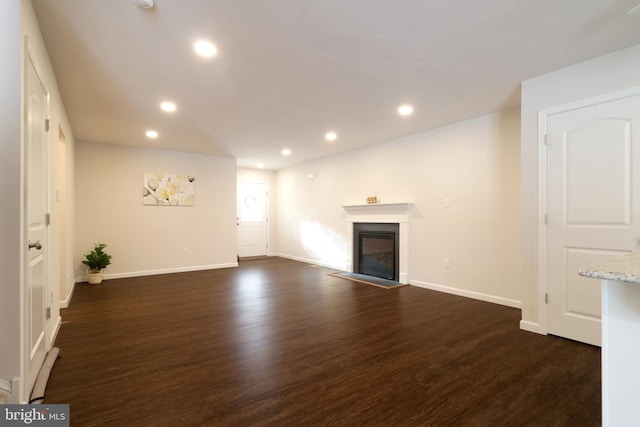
(288, 71)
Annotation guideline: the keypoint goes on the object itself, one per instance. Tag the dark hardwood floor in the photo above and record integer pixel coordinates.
(281, 343)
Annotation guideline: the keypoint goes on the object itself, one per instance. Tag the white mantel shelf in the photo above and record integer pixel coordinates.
(379, 212)
(399, 213)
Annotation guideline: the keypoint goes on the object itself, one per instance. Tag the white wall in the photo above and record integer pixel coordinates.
(58, 257)
(10, 213)
(268, 176)
(18, 21)
(475, 164)
(147, 240)
(610, 73)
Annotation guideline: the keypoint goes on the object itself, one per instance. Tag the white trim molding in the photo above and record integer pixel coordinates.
(162, 271)
(469, 294)
(532, 327)
(309, 261)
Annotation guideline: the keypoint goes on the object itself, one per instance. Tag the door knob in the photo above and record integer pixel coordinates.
(37, 245)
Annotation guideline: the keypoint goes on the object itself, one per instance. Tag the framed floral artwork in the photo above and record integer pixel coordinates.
(163, 189)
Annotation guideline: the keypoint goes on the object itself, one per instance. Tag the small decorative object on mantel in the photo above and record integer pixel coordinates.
(372, 200)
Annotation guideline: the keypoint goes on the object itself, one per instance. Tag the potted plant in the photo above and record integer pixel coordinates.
(97, 260)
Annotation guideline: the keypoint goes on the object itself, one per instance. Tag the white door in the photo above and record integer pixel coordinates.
(36, 156)
(252, 219)
(593, 207)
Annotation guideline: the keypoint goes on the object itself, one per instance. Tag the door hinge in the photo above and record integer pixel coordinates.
(47, 123)
(546, 219)
(546, 298)
(47, 219)
(546, 139)
(48, 312)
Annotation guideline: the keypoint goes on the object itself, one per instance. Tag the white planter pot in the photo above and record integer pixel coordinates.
(95, 278)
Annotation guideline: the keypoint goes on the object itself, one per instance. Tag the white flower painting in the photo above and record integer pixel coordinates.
(162, 189)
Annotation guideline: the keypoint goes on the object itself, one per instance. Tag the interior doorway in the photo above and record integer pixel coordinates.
(37, 294)
(593, 207)
(252, 219)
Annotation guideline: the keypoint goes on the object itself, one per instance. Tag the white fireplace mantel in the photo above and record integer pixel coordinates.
(399, 213)
(379, 212)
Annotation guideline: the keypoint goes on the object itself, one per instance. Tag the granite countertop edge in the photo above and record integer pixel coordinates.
(625, 268)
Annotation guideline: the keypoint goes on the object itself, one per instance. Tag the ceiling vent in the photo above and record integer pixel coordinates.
(147, 4)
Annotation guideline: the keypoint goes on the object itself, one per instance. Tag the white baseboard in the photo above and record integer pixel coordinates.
(455, 291)
(525, 325)
(162, 271)
(311, 261)
(468, 294)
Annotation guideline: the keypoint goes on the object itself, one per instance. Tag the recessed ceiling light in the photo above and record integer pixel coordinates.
(330, 136)
(634, 11)
(204, 48)
(405, 110)
(168, 106)
(260, 165)
(147, 4)
(286, 152)
(151, 134)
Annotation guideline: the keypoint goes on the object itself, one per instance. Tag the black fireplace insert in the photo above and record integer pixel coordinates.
(375, 249)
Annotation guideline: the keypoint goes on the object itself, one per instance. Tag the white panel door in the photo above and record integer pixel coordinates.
(593, 207)
(37, 231)
(252, 219)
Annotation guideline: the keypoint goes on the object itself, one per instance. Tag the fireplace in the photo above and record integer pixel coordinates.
(396, 214)
(375, 250)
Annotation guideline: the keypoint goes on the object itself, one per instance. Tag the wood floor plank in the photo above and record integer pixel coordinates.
(278, 342)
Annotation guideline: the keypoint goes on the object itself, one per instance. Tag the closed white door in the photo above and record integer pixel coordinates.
(593, 207)
(37, 298)
(252, 219)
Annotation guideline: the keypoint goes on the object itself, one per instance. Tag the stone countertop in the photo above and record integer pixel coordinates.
(625, 268)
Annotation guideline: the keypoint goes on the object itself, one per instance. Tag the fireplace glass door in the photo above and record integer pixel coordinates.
(376, 250)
